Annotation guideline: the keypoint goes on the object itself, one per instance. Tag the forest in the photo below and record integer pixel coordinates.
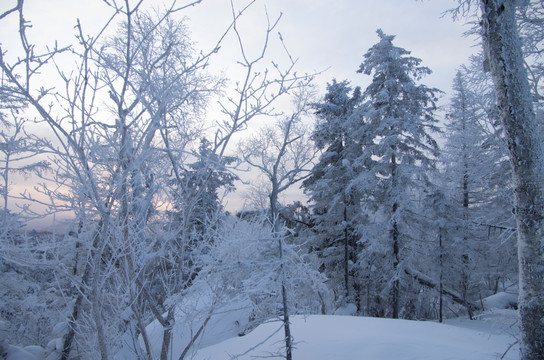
(368, 201)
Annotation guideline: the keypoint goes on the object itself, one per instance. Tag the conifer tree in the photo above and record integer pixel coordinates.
(336, 205)
(478, 176)
(399, 120)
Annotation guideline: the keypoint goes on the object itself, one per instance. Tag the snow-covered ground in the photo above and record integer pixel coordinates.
(348, 337)
(333, 337)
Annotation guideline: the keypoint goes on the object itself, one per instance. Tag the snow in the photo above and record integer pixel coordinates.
(60, 328)
(348, 309)
(37, 351)
(340, 336)
(330, 337)
(28, 353)
(320, 337)
(226, 321)
(501, 300)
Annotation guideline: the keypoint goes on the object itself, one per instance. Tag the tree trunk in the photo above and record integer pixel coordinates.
(395, 237)
(143, 332)
(274, 217)
(195, 337)
(504, 54)
(286, 321)
(97, 312)
(167, 334)
(465, 258)
(81, 295)
(396, 283)
(441, 281)
(346, 249)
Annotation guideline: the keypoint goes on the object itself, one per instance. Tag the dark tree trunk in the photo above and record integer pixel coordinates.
(274, 218)
(346, 251)
(286, 325)
(167, 335)
(395, 291)
(396, 282)
(441, 281)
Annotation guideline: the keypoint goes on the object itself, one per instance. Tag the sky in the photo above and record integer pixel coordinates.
(334, 35)
(326, 37)
(321, 34)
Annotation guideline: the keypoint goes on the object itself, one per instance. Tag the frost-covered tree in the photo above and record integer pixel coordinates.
(531, 28)
(125, 125)
(399, 119)
(18, 151)
(198, 196)
(29, 303)
(244, 265)
(444, 224)
(109, 163)
(336, 208)
(283, 155)
(462, 162)
(478, 177)
(504, 53)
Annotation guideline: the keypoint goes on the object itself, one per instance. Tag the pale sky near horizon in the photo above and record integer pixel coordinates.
(321, 34)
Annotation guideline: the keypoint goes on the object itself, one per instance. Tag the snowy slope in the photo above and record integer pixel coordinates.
(346, 337)
(335, 337)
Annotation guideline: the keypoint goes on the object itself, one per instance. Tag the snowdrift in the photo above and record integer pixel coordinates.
(320, 337)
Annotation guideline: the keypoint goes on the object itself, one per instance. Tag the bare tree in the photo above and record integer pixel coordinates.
(124, 128)
(284, 155)
(107, 159)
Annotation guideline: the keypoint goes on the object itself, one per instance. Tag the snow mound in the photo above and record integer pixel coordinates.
(501, 300)
(348, 309)
(28, 353)
(224, 323)
(321, 337)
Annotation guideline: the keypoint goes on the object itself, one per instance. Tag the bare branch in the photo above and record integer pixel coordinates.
(17, 7)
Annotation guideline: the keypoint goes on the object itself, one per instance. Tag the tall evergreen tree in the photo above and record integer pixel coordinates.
(463, 137)
(478, 175)
(336, 205)
(399, 119)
